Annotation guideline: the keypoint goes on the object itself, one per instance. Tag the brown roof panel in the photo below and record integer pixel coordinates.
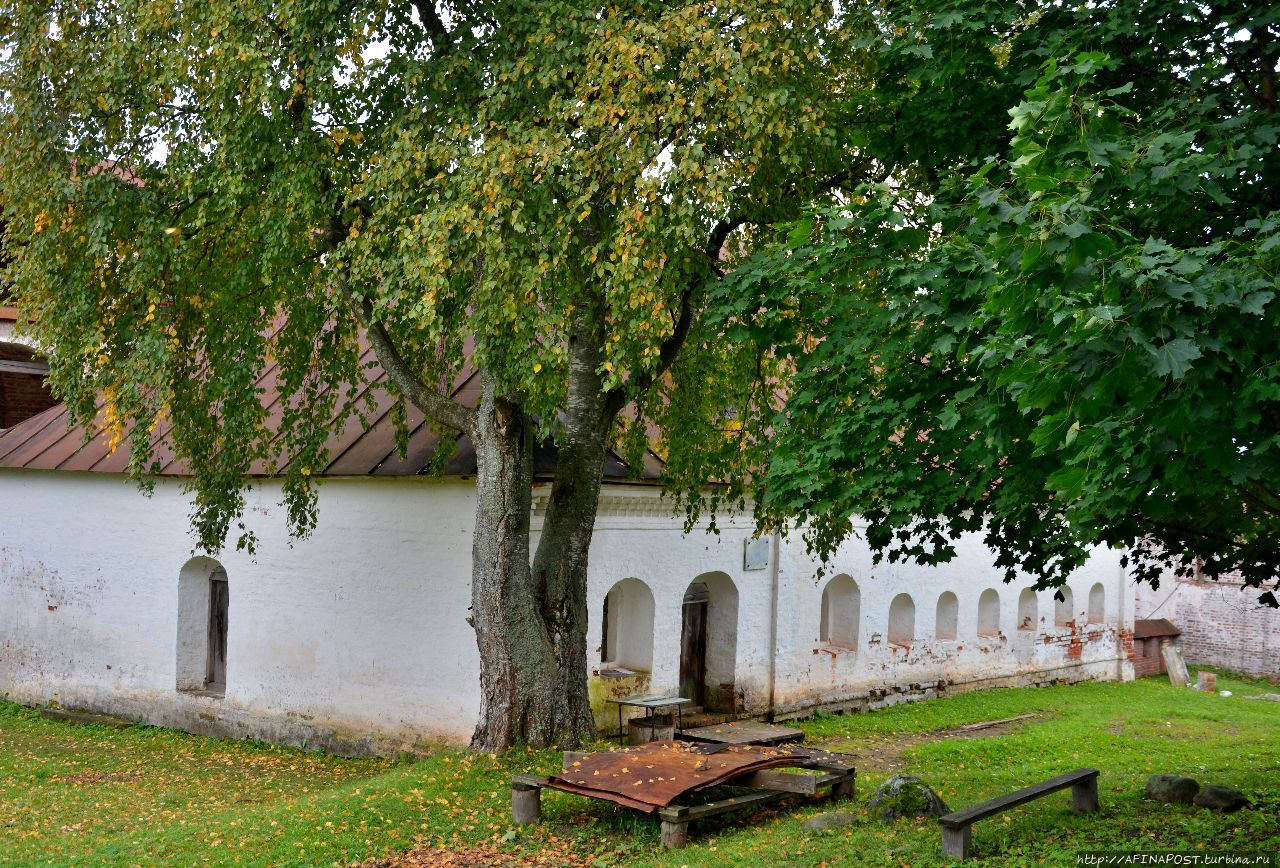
(1154, 628)
(357, 447)
(19, 435)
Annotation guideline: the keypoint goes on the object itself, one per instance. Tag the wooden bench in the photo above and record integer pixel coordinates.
(767, 786)
(956, 836)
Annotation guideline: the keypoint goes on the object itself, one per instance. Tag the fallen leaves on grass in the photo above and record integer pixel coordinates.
(96, 778)
(482, 856)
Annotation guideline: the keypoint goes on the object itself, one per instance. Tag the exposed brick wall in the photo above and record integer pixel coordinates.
(21, 395)
(1146, 658)
(1222, 623)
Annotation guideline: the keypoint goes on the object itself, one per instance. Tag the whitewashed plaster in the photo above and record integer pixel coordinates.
(356, 639)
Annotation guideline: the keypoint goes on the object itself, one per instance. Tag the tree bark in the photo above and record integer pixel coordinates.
(560, 562)
(519, 672)
(531, 619)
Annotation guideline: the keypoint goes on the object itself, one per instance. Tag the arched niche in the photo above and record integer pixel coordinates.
(626, 639)
(989, 613)
(1028, 611)
(1064, 608)
(947, 620)
(1097, 604)
(902, 620)
(841, 610)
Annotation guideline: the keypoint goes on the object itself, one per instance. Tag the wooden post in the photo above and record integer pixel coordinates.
(674, 834)
(843, 789)
(526, 804)
(957, 842)
(1084, 796)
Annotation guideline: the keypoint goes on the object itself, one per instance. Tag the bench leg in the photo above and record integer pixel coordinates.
(674, 835)
(1084, 796)
(957, 842)
(526, 805)
(842, 789)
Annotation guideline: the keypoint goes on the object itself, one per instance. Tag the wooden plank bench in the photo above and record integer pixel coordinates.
(766, 787)
(956, 826)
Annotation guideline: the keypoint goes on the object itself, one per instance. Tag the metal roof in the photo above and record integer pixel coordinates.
(356, 447)
(1153, 628)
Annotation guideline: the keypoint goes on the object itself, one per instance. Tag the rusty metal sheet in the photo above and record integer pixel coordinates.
(651, 776)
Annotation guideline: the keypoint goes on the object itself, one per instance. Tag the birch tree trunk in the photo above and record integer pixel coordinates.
(531, 620)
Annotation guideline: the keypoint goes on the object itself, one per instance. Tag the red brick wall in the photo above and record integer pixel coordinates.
(21, 395)
(1146, 658)
(1222, 623)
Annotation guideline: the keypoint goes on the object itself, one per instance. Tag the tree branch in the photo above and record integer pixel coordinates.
(671, 347)
(438, 407)
(432, 22)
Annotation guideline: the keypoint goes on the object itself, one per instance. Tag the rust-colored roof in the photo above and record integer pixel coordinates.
(1154, 628)
(45, 442)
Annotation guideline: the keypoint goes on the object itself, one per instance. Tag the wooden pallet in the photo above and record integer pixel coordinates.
(838, 779)
(743, 732)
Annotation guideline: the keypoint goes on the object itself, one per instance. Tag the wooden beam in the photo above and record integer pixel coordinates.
(685, 813)
(682, 813)
(24, 368)
(1000, 804)
(776, 780)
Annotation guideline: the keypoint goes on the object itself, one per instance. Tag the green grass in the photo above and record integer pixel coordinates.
(97, 795)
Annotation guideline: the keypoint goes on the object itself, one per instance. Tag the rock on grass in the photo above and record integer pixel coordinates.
(905, 796)
(1220, 798)
(1172, 789)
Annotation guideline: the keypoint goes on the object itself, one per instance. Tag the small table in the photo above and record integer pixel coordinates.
(651, 703)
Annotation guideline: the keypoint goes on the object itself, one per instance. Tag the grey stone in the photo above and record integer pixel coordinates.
(1220, 798)
(1172, 789)
(905, 796)
(1269, 697)
(826, 822)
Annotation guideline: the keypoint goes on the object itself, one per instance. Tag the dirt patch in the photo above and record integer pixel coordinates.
(96, 778)
(883, 753)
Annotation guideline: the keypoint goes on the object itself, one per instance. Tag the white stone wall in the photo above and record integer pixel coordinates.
(356, 638)
(877, 672)
(635, 538)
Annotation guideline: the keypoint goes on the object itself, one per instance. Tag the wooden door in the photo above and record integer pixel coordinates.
(693, 652)
(216, 672)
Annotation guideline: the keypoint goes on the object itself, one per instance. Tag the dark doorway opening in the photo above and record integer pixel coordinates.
(693, 644)
(216, 670)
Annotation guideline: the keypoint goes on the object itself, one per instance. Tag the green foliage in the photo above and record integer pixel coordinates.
(196, 189)
(75, 794)
(1068, 345)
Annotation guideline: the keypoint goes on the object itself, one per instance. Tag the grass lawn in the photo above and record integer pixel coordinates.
(98, 795)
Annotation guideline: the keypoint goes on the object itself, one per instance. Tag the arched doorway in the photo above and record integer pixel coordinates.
(203, 610)
(709, 642)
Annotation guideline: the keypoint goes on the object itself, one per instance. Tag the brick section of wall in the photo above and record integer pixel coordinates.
(21, 395)
(1146, 658)
(1222, 623)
